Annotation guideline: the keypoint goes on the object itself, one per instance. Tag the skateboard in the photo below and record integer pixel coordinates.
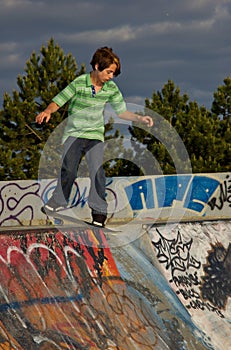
(68, 218)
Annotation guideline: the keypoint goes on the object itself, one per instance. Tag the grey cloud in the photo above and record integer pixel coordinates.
(188, 42)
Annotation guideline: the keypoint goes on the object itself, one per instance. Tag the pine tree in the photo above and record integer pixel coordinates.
(199, 130)
(168, 102)
(221, 109)
(221, 105)
(22, 140)
(162, 141)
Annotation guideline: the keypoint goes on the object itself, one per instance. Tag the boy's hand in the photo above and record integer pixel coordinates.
(46, 114)
(41, 116)
(147, 120)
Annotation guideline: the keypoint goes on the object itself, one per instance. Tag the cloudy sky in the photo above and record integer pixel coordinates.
(187, 41)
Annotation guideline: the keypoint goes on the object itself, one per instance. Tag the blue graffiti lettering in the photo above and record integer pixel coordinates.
(200, 191)
(170, 188)
(140, 194)
(194, 195)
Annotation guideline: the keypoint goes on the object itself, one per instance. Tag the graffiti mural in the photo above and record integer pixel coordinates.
(224, 195)
(17, 201)
(205, 196)
(216, 285)
(176, 256)
(193, 192)
(197, 265)
(76, 288)
(61, 292)
(64, 291)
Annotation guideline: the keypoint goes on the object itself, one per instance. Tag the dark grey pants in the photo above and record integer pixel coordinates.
(74, 150)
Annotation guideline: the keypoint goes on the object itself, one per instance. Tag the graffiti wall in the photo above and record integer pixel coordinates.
(172, 197)
(162, 282)
(195, 259)
(64, 290)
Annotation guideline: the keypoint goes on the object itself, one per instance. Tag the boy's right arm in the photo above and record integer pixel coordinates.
(46, 114)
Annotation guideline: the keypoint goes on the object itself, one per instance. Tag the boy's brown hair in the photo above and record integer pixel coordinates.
(104, 57)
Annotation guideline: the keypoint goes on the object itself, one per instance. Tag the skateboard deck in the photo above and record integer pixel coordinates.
(68, 218)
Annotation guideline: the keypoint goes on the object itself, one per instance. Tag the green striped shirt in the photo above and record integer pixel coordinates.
(85, 112)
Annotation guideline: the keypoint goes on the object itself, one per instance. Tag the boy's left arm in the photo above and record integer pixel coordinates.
(127, 115)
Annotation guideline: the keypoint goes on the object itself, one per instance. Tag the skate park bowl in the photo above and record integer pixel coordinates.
(162, 280)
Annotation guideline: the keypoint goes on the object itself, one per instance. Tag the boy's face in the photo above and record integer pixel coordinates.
(106, 74)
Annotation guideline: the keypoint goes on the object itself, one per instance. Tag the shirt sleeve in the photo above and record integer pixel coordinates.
(65, 95)
(116, 100)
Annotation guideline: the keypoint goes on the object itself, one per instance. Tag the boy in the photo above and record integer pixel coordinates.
(84, 132)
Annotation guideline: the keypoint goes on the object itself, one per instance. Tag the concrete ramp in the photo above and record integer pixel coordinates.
(160, 283)
(68, 289)
(195, 260)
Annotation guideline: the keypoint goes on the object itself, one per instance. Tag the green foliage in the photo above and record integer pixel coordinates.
(206, 136)
(22, 140)
(221, 105)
